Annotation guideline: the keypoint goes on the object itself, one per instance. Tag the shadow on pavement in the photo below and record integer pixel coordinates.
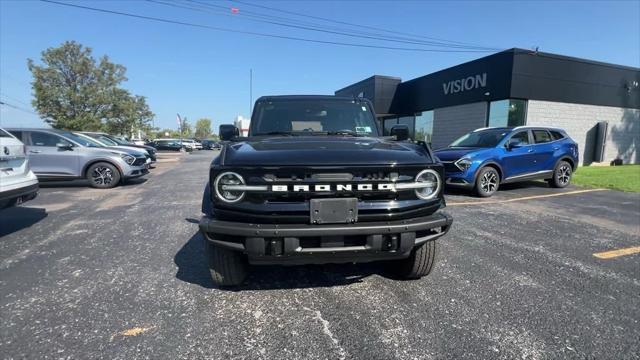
(191, 260)
(504, 188)
(17, 218)
(192, 263)
(81, 183)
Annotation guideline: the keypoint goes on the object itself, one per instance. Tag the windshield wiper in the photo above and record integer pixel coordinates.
(287, 133)
(343, 132)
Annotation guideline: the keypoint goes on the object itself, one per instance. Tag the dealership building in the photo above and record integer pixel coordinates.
(598, 104)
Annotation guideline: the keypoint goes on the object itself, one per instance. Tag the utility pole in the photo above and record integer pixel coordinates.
(250, 91)
(180, 122)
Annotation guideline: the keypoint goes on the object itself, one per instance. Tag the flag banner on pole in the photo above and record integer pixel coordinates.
(178, 119)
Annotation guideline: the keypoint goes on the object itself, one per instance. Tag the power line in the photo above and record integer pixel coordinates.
(18, 108)
(316, 27)
(176, 22)
(13, 98)
(311, 28)
(349, 24)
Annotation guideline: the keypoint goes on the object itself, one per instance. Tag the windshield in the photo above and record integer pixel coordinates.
(106, 140)
(311, 117)
(82, 140)
(102, 139)
(117, 140)
(483, 139)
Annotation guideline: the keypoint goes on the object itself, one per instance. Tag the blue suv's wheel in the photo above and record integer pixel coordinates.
(487, 182)
(561, 175)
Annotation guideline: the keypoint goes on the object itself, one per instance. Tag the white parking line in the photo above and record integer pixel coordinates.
(523, 198)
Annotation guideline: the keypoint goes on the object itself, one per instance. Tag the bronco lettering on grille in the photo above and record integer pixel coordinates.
(335, 187)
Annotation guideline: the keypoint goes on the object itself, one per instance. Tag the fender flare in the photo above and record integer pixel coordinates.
(568, 159)
(207, 205)
(108, 161)
(487, 163)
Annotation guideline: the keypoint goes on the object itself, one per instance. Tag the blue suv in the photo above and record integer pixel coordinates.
(485, 158)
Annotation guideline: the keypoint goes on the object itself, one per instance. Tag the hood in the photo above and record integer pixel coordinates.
(109, 151)
(136, 151)
(124, 150)
(142, 147)
(322, 151)
(453, 154)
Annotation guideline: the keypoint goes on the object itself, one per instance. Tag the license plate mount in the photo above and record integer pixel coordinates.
(333, 211)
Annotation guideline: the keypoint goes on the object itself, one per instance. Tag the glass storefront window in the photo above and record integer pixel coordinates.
(424, 126)
(510, 112)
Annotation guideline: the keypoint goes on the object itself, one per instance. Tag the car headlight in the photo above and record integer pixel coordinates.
(431, 184)
(222, 186)
(463, 164)
(128, 158)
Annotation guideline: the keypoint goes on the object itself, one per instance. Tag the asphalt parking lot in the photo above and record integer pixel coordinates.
(121, 273)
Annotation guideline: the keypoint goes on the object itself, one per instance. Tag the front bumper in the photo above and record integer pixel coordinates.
(295, 244)
(135, 171)
(20, 194)
(459, 182)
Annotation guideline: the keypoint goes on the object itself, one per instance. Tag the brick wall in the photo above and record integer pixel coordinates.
(623, 135)
(450, 123)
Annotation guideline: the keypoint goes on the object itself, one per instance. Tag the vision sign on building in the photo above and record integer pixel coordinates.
(465, 84)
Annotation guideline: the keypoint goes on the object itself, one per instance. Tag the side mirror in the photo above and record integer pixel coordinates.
(64, 146)
(228, 132)
(514, 144)
(400, 131)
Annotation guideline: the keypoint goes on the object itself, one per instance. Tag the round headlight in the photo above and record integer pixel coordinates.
(128, 158)
(223, 181)
(431, 184)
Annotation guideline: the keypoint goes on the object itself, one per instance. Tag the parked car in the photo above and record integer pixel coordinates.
(169, 145)
(105, 142)
(210, 144)
(314, 183)
(485, 158)
(17, 182)
(62, 155)
(194, 145)
(137, 141)
(110, 139)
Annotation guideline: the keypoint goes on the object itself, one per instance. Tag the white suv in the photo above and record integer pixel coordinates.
(17, 181)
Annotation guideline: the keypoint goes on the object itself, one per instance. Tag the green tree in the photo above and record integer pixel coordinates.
(185, 128)
(128, 113)
(203, 128)
(73, 91)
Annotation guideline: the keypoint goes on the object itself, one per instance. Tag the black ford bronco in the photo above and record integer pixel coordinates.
(315, 182)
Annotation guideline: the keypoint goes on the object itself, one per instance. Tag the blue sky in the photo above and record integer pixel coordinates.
(202, 73)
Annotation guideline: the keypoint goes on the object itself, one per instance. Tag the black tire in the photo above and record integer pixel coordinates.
(420, 262)
(227, 267)
(103, 175)
(561, 175)
(487, 182)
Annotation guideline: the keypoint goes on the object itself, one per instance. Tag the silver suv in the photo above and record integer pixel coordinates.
(62, 155)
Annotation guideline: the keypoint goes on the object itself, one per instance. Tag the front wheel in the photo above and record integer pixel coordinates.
(227, 267)
(103, 175)
(487, 182)
(561, 175)
(420, 262)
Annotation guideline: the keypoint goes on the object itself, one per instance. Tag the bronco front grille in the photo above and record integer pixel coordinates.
(279, 203)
